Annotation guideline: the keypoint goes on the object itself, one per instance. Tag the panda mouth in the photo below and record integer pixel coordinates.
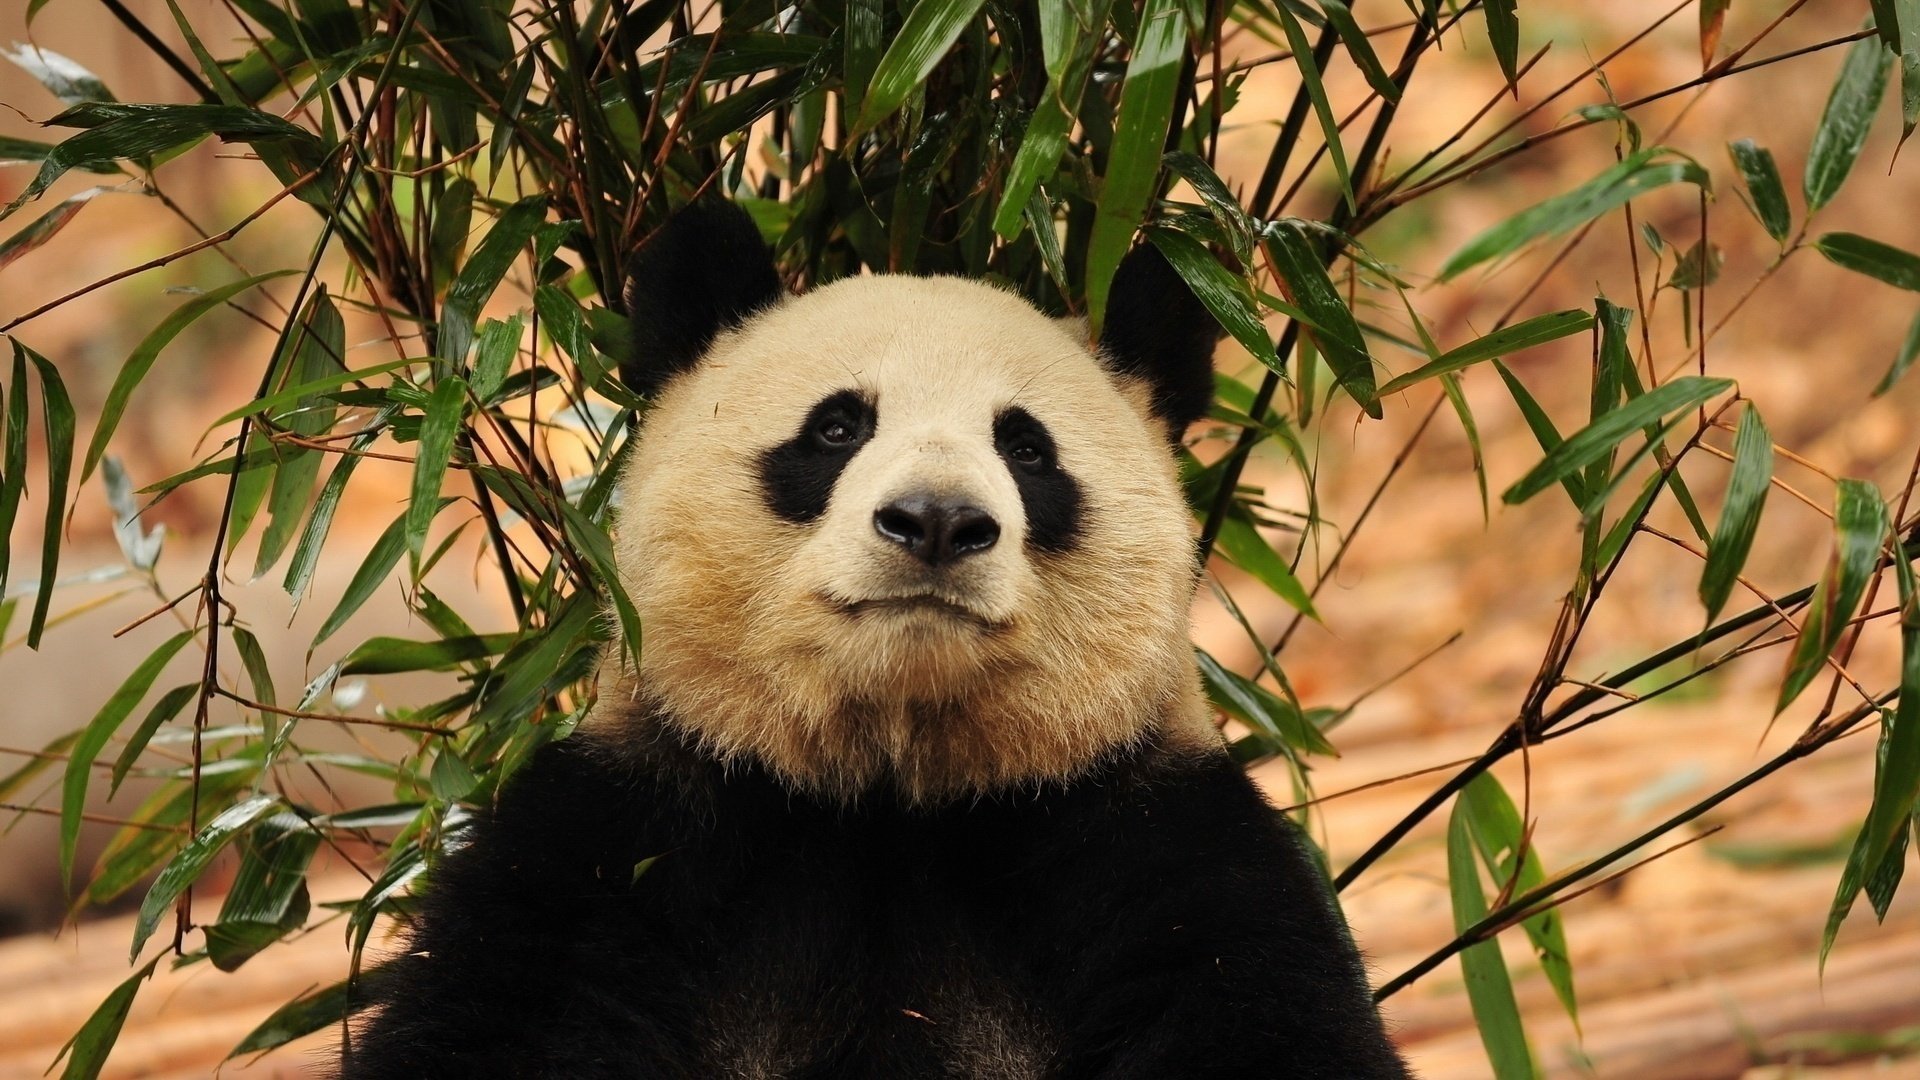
(917, 604)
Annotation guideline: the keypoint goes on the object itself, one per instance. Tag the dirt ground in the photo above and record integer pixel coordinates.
(1699, 964)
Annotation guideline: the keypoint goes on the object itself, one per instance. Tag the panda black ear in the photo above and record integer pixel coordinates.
(704, 271)
(1158, 332)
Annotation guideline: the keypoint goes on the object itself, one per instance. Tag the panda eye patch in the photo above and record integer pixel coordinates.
(798, 475)
(1048, 493)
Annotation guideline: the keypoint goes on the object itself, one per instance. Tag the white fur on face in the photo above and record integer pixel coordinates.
(796, 644)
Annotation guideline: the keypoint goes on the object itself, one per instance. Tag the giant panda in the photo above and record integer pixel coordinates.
(914, 777)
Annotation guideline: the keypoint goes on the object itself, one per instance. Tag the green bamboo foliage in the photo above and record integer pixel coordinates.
(484, 168)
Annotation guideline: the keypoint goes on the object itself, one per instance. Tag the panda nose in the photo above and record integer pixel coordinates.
(936, 530)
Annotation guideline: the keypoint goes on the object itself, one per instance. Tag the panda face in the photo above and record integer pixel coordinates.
(907, 533)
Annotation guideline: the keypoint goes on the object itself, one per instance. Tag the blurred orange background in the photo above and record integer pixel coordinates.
(1699, 964)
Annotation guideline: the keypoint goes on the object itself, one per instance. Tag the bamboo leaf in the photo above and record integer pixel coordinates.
(1909, 349)
(13, 459)
(387, 655)
(1500, 836)
(64, 78)
(165, 709)
(1860, 524)
(312, 388)
(186, 867)
(1634, 175)
(1240, 542)
(1304, 273)
(1713, 18)
(1070, 45)
(1224, 293)
(493, 355)
(135, 370)
(118, 132)
(1489, 988)
(1503, 33)
(1847, 120)
(318, 349)
(1872, 258)
(380, 561)
(73, 797)
(56, 419)
(1503, 342)
(929, 31)
(482, 273)
(309, 1013)
(1542, 427)
(1260, 708)
(1140, 131)
(1762, 178)
(1317, 92)
(445, 412)
(1361, 49)
(1740, 517)
(46, 226)
(1597, 439)
(94, 1041)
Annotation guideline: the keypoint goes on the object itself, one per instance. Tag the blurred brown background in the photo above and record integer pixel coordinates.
(1699, 964)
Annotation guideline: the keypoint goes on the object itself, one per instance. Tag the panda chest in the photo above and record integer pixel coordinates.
(846, 959)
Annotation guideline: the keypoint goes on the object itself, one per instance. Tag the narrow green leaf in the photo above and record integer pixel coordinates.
(1071, 37)
(118, 132)
(1634, 175)
(318, 349)
(1499, 833)
(380, 561)
(185, 868)
(1489, 988)
(445, 411)
(592, 541)
(1740, 517)
(309, 1013)
(13, 459)
(482, 273)
(1896, 784)
(1140, 132)
(1599, 438)
(450, 778)
(165, 709)
(44, 227)
(386, 655)
(564, 323)
(1542, 427)
(1361, 49)
(1872, 258)
(864, 34)
(929, 31)
(1762, 177)
(1220, 200)
(56, 419)
(134, 371)
(137, 850)
(452, 217)
(1503, 33)
(1304, 272)
(1909, 350)
(1859, 525)
(268, 898)
(493, 355)
(1303, 59)
(1260, 708)
(312, 388)
(1862, 870)
(306, 551)
(94, 1041)
(1847, 120)
(1503, 342)
(1241, 543)
(1224, 293)
(73, 796)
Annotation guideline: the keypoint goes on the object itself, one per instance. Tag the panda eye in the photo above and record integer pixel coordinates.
(1025, 453)
(835, 433)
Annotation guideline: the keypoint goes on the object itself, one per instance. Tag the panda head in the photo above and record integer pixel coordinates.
(902, 533)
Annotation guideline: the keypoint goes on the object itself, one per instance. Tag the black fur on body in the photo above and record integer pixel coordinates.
(1154, 918)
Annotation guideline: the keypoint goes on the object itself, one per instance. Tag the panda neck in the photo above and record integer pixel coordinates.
(915, 753)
